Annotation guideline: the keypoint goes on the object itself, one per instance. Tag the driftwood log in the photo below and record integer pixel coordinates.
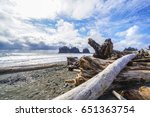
(103, 51)
(89, 67)
(135, 72)
(13, 69)
(96, 86)
(72, 63)
(118, 96)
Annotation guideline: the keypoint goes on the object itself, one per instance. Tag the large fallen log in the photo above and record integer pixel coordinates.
(14, 69)
(96, 86)
(90, 66)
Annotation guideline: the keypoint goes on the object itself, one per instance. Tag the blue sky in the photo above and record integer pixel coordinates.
(50, 24)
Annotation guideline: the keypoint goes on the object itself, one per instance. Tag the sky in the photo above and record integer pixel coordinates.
(50, 24)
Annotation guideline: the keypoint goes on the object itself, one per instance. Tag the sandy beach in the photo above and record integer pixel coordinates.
(42, 84)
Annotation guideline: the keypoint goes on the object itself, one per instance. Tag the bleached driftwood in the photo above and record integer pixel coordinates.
(13, 69)
(90, 66)
(96, 86)
(118, 96)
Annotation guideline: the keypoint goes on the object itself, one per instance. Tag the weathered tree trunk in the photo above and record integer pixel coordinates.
(97, 85)
(103, 51)
(7, 70)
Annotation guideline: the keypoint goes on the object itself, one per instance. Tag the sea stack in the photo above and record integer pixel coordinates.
(66, 49)
(86, 50)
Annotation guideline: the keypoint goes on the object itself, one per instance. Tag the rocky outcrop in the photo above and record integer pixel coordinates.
(66, 49)
(86, 50)
(130, 49)
(74, 50)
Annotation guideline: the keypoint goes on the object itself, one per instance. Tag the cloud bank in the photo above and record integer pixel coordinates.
(50, 24)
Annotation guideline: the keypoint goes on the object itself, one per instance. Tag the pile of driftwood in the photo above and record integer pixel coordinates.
(110, 71)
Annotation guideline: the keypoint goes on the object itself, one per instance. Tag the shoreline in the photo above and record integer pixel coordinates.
(37, 84)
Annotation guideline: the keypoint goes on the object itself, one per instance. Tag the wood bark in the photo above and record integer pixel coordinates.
(96, 86)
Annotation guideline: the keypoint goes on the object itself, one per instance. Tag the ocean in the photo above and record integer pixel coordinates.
(23, 58)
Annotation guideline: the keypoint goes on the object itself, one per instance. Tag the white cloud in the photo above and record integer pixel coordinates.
(78, 9)
(95, 35)
(132, 31)
(131, 38)
(106, 7)
(38, 9)
(16, 30)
